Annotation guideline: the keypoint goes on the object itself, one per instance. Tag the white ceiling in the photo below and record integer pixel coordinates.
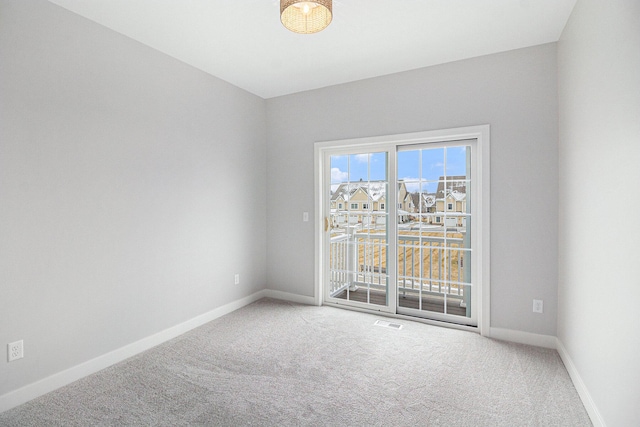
(244, 43)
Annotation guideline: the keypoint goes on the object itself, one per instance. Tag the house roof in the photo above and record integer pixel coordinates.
(455, 186)
(428, 200)
(375, 190)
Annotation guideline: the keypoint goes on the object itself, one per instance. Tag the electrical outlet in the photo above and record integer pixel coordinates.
(537, 306)
(305, 216)
(15, 350)
(236, 279)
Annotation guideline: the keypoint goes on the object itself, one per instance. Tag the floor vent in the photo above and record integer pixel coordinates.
(386, 324)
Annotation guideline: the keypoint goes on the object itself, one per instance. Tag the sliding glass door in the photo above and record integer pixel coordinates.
(399, 231)
(357, 226)
(434, 253)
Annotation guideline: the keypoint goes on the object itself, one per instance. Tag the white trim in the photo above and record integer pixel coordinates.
(583, 392)
(481, 134)
(454, 134)
(392, 226)
(521, 337)
(320, 218)
(483, 181)
(31, 391)
(287, 296)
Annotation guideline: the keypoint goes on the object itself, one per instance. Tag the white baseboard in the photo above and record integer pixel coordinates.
(55, 381)
(286, 296)
(538, 340)
(584, 394)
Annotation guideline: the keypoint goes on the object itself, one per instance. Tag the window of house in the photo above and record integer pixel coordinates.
(339, 205)
(450, 206)
(365, 206)
(381, 206)
(354, 206)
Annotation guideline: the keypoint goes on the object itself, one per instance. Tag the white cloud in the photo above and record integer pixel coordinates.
(338, 176)
(412, 184)
(362, 158)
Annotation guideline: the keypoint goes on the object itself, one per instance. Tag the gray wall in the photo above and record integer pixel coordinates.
(515, 92)
(599, 280)
(132, 188)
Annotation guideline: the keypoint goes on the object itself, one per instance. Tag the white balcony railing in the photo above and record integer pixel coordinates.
(426, 264)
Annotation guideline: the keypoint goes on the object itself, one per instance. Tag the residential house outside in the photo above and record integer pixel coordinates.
(365, 202)
(451, 200)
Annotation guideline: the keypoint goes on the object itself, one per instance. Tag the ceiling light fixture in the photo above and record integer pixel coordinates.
(305, 17)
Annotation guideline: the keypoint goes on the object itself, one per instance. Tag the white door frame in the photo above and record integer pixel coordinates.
(482, 135)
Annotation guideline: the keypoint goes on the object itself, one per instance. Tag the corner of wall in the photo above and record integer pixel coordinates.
(581, 388)
(521, 337)
(60, 379)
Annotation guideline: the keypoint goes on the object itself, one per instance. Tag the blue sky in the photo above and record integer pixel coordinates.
(414, 167)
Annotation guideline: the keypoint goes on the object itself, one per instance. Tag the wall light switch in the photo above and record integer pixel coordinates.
(305, 216)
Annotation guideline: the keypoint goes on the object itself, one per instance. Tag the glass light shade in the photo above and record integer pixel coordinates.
(305, 17)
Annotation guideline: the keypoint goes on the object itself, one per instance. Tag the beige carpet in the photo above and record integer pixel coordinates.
(274, 363)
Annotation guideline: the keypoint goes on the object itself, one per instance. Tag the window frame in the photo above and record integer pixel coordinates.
(481, 235)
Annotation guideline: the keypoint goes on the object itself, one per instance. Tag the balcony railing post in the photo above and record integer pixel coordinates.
(339, 266)
(352, 257)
